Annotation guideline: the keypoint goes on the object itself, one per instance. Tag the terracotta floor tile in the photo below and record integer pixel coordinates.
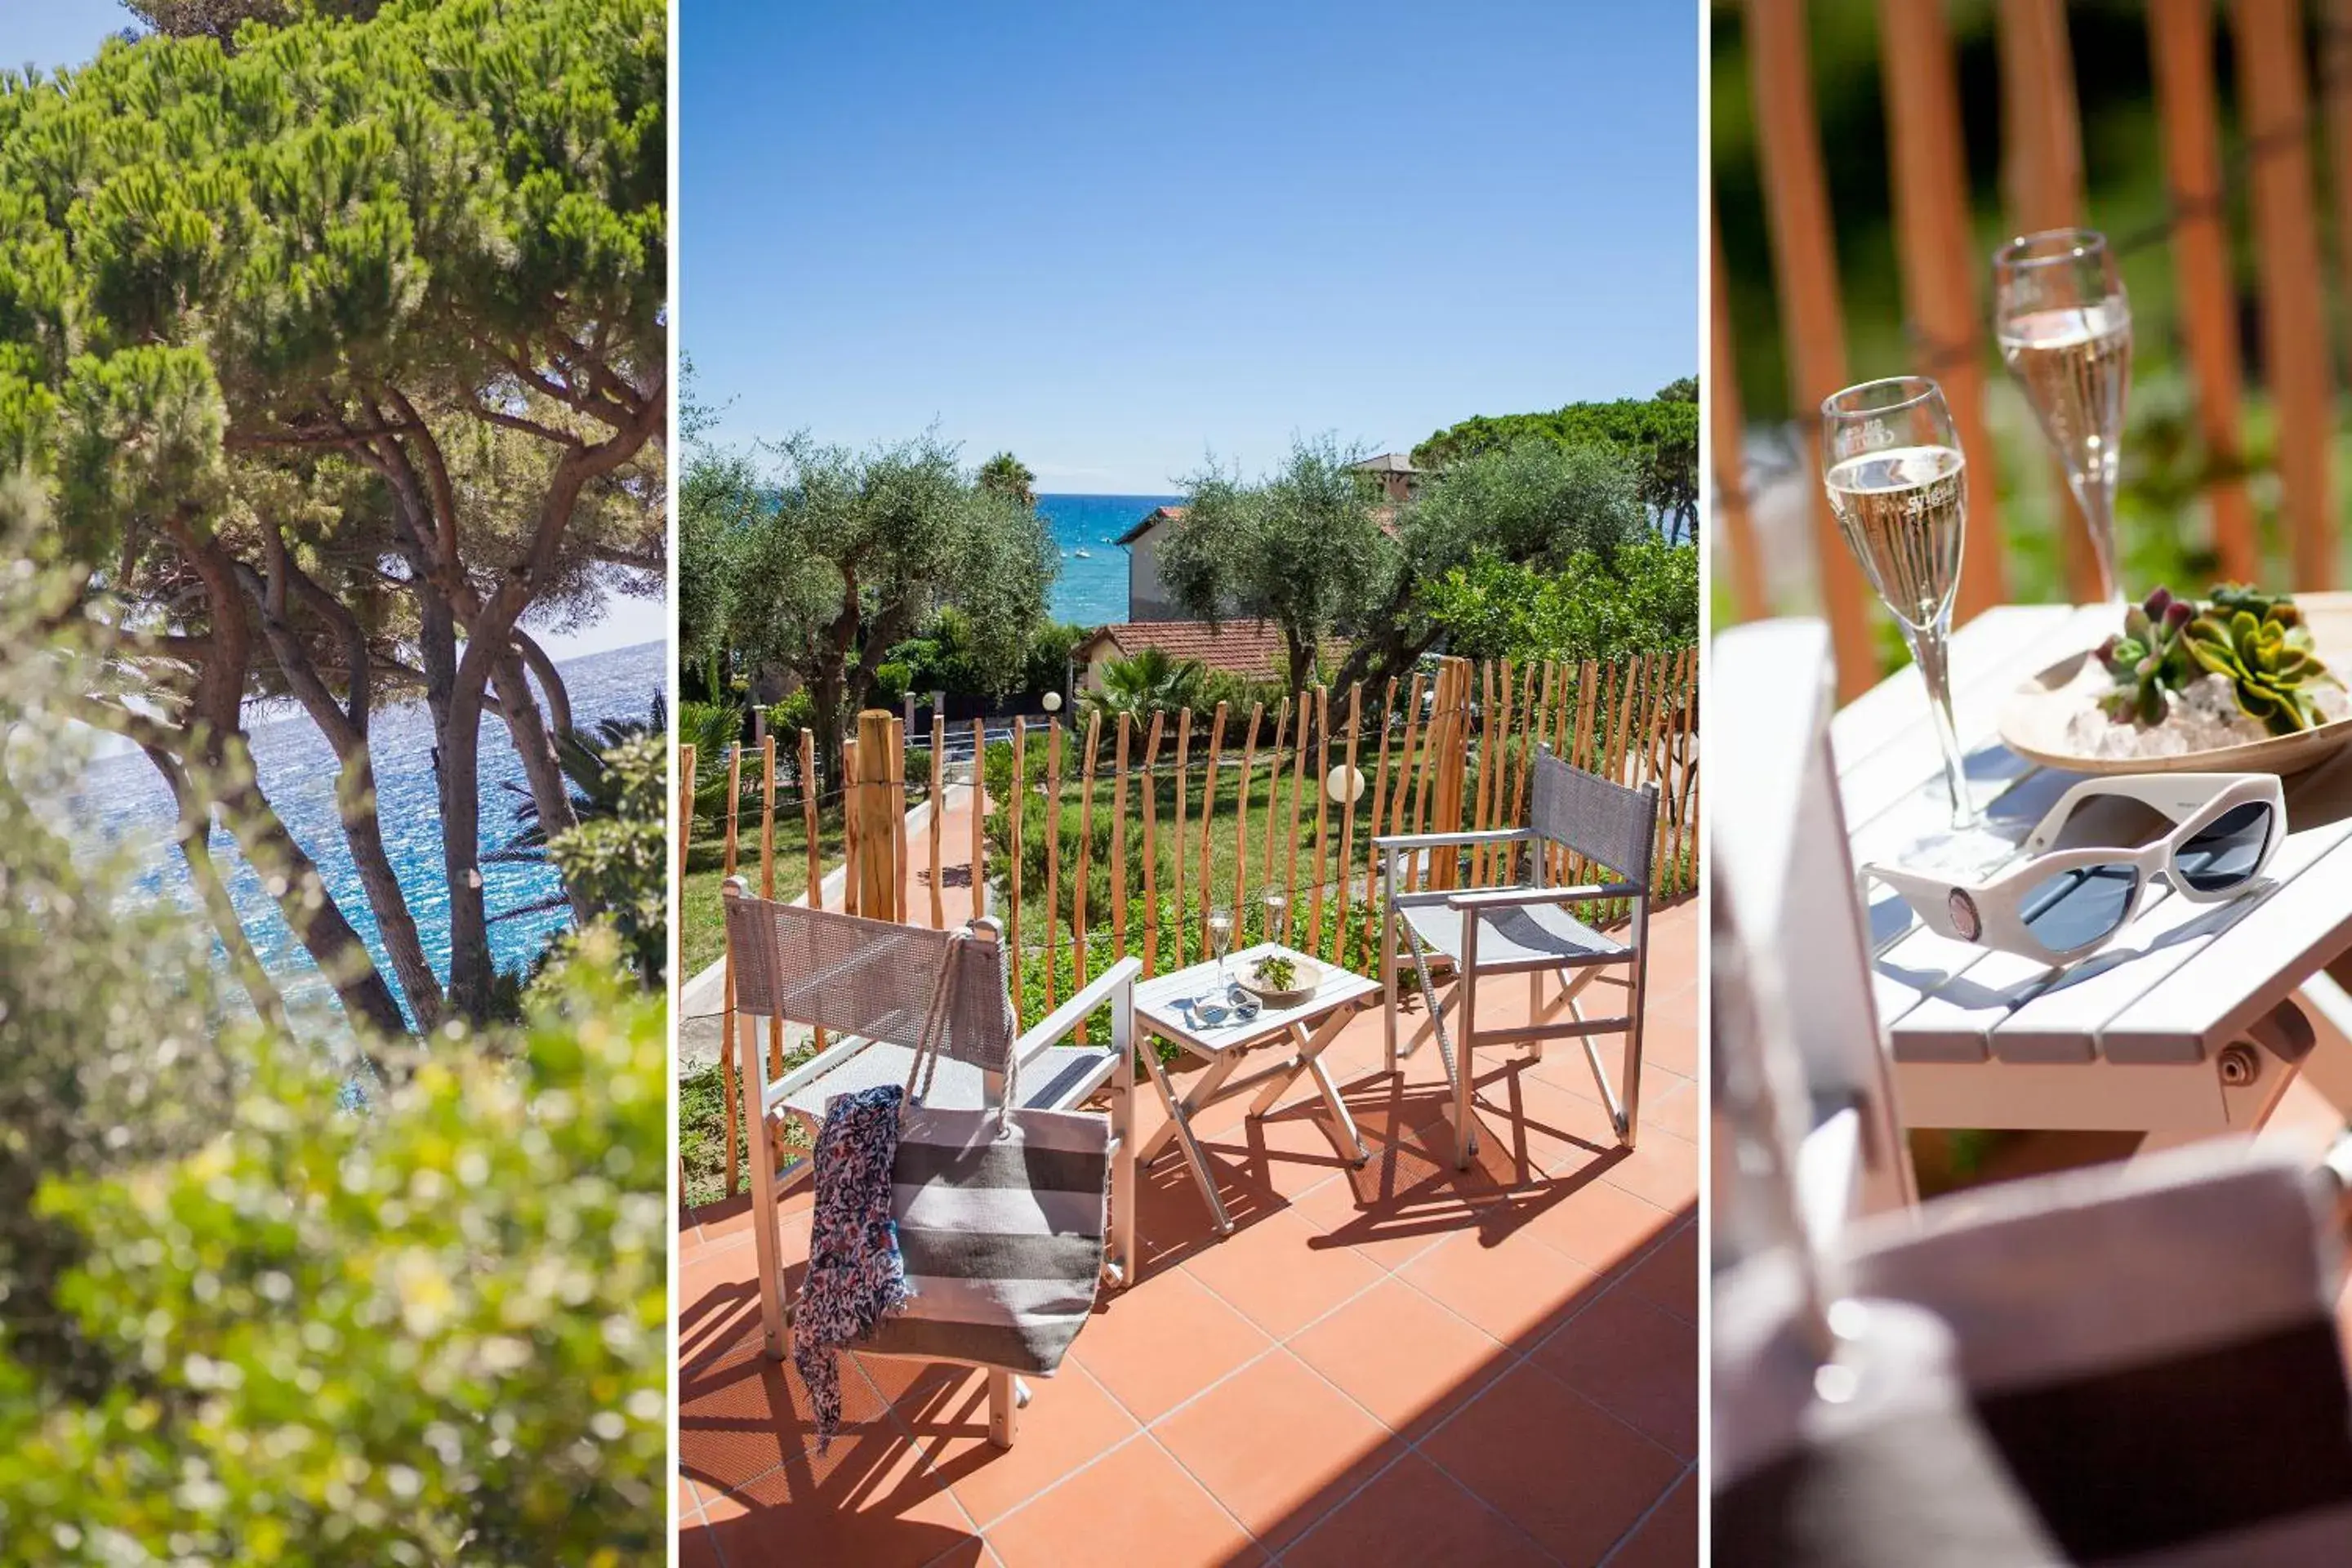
(1638, 1361)
(1172, 1220)
(1669, 1537)
(1413, 1515)
(1670, 1105)
(695, 1549)
(1291, 1151)
(1395, 1210)
(1163, 1341)
(1070, 1421)
(873, 1502)
(743, 1414)
(1135, 1508)
(1668, 1277)
(1562, 1470)
(1510, 1290)
(1274, 1275)
(1401, 1357)
(1661, 1169)
(1278, 1446)
(1599, 1225)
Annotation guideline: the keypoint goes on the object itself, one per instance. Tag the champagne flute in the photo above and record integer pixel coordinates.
(1220, 938)
(2064, 327)
(1277, 904)
(1899, 485)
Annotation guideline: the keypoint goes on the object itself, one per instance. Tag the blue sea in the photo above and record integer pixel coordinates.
(124, 797)
(1093, 591)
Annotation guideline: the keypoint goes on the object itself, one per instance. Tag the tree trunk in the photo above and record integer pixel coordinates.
(549, 791)
(310, 909)
(543, 670)
(471, 966)
(195, 848)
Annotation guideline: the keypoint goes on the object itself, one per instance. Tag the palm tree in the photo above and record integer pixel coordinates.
(1149, 682)
(596, 792)
(1008, 475)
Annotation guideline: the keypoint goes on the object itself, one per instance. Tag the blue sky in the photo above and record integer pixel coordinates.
(50, 33)
(1112, 237)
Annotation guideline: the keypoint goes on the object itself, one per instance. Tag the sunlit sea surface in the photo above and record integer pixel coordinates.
(124, 797)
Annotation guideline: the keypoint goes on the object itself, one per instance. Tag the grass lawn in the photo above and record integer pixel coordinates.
(702, 928)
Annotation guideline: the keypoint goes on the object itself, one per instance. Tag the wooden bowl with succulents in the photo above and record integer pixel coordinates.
(1281, 979)
(2240, 681)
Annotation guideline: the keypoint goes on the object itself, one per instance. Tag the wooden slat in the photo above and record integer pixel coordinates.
(685, 807)
(979, 819)
(1183, 763)
(1085, 862)
(1208, 818)
(729, 1086)
(1119, 841)
(2180, 41)
(1273, 794)
(1290, 872)
(1150, 848)
(1804, 268)
(1405, 757)
(2041, 137)
(939, 811)
(809, 820)
(1938, 253)
(1485, 777)
(1380, 798)
(768, 817)
(1053, 859)
(1534, 702)
(1348, 825)
(1020, 793)
(2274, 107)
(1240, 810)
(895, 802)
(1322, 815)
(1727, 436)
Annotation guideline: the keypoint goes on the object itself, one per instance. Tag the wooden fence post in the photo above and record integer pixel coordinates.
(730, 1088)
(1118, 843)
(1150, 848)
(1085, 862)
(1012, 855)
(939, 811)
(1240, 811)
(1804, 267)
(1290, 860)
(2274, 106)
(1727, 434)
(880, 880)
(1052, 857)
(2180, 46)
(979, 807)
(1322, 813)
(1208, 815)
(1183, 763)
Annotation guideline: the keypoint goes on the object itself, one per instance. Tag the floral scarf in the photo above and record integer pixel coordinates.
(856, 1275)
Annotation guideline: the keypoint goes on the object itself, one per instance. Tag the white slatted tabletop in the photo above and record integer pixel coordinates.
(2191, 1020)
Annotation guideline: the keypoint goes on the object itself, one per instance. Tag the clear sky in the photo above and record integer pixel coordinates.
(50, 33)
(1112, 236)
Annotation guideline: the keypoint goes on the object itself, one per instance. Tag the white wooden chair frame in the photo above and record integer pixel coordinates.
(1115, 985)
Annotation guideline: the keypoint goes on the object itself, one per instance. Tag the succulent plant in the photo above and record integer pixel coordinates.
(2258, 640)
(1276, 972)
(2148, 656)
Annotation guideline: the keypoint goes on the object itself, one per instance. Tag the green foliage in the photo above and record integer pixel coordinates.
(1659, 436)
(2261, 643)
(1302, 549)
(617, 858)
(1647, 599)
(828, 561)
(429, 1333)
(891, 684)
(1007, 475)
(1151, 683)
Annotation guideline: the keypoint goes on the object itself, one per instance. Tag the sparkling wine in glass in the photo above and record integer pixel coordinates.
(1278, 906)
(1899, 486)
(1220, 938)
(2064, 327)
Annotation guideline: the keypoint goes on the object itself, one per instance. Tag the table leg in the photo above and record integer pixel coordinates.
(1309, 1059)
(1180, 1129)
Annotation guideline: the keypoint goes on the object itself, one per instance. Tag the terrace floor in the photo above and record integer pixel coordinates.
(1396, 1364)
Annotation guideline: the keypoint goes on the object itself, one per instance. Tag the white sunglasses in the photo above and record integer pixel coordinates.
(2059, 905)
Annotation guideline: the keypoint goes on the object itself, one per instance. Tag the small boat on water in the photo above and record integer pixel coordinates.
(1083, 553)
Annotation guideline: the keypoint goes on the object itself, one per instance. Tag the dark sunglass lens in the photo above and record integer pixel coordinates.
(2227, 849)
(2076, 908)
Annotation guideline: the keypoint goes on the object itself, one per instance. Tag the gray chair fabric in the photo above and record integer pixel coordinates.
(871, 978)
(1533, 936)
(1596, 817)
(1054, 1080)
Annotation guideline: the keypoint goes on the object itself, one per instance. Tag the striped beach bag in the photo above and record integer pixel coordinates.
(1001, 1212)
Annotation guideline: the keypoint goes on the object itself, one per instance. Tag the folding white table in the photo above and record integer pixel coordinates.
(2191, 1023)
(1165, 1006)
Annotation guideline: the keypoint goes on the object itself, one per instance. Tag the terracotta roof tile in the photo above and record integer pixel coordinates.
(1151, 520)
(1250, 648)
